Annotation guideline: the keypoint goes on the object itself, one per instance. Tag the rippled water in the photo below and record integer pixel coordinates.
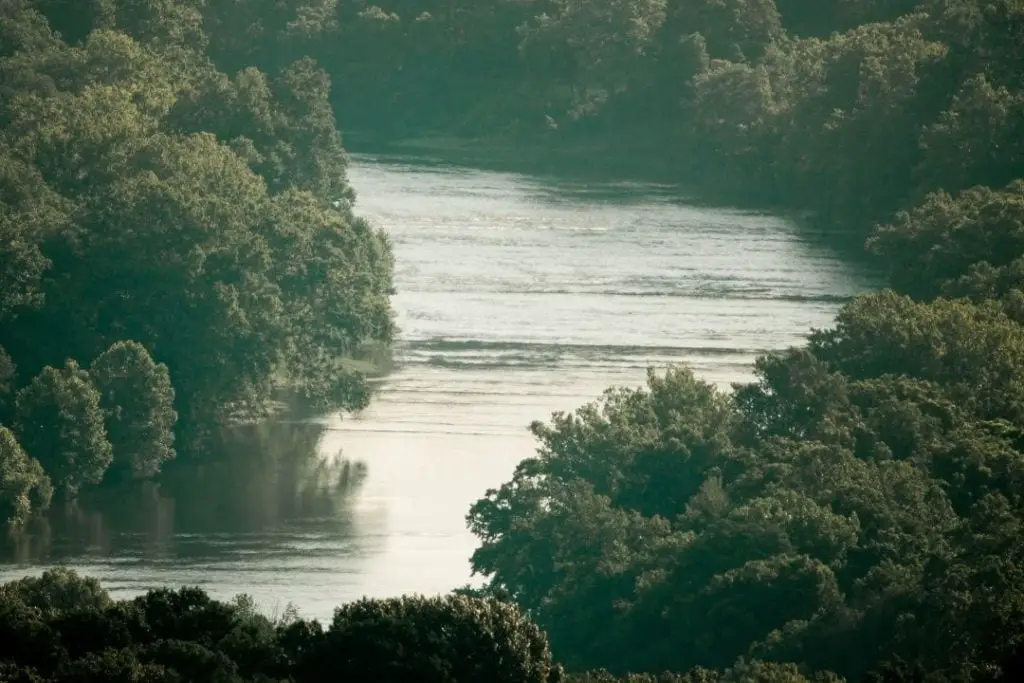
(517, 296)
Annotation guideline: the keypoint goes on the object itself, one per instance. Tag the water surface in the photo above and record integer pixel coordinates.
(518, 296)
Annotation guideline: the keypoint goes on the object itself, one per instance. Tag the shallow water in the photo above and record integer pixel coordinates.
(518, 296)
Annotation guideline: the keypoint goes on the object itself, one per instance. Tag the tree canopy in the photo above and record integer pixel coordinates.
(60, 627)
(177, 244)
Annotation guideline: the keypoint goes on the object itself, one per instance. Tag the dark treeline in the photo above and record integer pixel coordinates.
(177, 245)
(62, 628)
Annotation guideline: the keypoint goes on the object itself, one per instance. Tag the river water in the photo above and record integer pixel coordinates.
(517, 296)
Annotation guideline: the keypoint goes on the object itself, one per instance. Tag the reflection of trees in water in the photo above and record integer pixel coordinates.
(252, 482)
(263, 476)
(28, 544)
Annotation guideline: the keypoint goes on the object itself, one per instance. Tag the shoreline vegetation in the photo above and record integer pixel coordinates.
(179, 238)
(179, 249)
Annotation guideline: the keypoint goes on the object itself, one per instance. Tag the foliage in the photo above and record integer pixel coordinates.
(138, 404)
(855, 508)
(603, 676)
(8, 378)
(24, 486)
(590, 39)
(968, 245)
(60, 422)
(385, 639)
(60, 627)
(827, 514)
(189, 229)
(56, 592)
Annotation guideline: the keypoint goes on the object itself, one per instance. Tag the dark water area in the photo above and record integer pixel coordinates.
(518, 295)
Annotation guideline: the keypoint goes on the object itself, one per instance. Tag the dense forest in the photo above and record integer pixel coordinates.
(61, 627)
(178, 247)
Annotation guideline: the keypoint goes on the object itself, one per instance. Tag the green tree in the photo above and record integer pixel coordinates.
(954, 246)
(580, 525)
(977, 140)
(57, 591)
(733, 29)
(809, 533)
(113, 666)
(60, 424)
(975, 351)
(432, 639)
(29, 213)
(24, 487)
(23, 28)
(600, 40)
(283, 125)
(138, 403)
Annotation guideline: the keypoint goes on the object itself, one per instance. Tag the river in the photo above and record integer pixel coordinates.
(517, 296)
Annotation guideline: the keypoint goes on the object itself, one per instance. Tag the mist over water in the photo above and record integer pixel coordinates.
(517, 296)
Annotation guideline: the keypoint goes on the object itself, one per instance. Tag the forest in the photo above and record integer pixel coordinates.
(178, 246)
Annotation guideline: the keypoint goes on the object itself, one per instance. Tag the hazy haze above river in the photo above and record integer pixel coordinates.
(517, 296)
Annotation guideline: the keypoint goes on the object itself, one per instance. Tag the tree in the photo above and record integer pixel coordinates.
(581, 524)
(733, 29)
(191, 661)
(432, 640)
(807, 533)
(138, 405)
(112, 666)
(24, 487)
(57, 591)
(977, 140)
(161, 23)
(29, 212)
(955, 245)
(975, 352)
(282, 124)
(604, 676)
(27, 641)
(60, 423)
(601, 39)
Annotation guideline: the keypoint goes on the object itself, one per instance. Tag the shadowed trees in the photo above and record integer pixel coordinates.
(188, 232)
(62, 627)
